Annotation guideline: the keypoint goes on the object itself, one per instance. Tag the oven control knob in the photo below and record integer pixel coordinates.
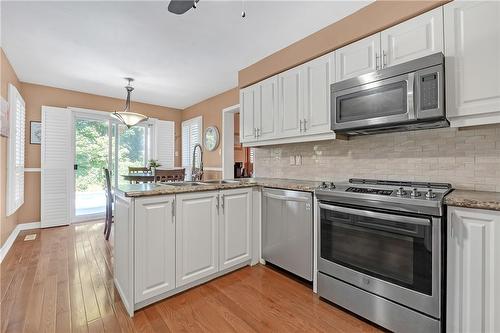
(331, 186)
(430, 194)
(323, 185)
(414, 193)
(400, 191)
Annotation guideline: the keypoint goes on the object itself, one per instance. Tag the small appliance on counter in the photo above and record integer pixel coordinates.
(380, 251)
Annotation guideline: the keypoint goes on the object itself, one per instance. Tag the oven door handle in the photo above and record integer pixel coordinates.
(377, 215)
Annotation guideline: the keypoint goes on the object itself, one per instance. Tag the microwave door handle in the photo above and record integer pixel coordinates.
(382, 216)
(411, 96)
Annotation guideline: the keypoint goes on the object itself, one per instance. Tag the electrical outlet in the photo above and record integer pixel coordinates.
(298, 160)
(292, 160)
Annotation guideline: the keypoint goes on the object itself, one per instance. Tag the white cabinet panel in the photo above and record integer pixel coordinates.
(472, 50)
(249, 113)
(123, 251)
(473, 275)
(413, 39)
(358, 58)
(290, 102)
(267, 126)
(154, 246)
(317, 95)
(235, 227)
(197, 246)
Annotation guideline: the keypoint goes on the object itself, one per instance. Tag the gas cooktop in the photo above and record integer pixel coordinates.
(418, 197)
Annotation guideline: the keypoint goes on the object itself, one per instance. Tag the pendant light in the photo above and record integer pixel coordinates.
(127, 117)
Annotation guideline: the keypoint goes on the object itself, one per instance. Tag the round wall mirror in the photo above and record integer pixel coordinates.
(211, 138)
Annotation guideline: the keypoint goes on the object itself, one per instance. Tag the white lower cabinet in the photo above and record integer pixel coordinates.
(197, 246)
(154, 246)
(473, 272)
(235, 221)
(167, 243)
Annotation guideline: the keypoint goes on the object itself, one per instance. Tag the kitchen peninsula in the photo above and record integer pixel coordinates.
(170, 237)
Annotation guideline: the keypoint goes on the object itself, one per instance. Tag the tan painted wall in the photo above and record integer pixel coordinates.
(7, 75)
(368, 20)
(211, 110)
(36, 95)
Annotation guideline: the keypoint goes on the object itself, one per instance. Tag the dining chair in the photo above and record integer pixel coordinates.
(132, 170)
(109, 204)
(175, 175)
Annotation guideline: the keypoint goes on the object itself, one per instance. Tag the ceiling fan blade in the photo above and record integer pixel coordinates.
(180, 6)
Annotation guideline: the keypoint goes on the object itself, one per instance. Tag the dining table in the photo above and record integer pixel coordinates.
(142, 177)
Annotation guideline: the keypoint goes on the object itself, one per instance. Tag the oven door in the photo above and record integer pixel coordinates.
(394, 256)
(383, 102)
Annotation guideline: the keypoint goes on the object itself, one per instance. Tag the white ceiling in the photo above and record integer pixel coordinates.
(177, 61)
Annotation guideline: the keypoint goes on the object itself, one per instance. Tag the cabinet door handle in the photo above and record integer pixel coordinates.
(300, 126)
(305, 126)
(377, 59)
(217, 204)
(384, 56)
(255, 132)
(222, 203)
(258, 132)
(173, 209)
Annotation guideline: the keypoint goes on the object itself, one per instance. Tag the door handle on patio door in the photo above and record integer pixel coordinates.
(75, 166)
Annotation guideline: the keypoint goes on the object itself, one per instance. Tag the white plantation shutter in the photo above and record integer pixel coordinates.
(56, 166)
(165, 143)
(15, 166)
(191, 135)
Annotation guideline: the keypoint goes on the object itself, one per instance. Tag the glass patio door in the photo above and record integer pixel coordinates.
(101, 142)
(92, 154)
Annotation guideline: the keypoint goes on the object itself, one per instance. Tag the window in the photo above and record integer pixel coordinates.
(165, 143)
(191, 135)
(15, 166)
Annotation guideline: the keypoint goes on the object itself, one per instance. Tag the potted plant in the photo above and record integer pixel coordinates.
(153, 164)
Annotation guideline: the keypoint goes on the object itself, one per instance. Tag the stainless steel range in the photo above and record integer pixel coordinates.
(380, 251)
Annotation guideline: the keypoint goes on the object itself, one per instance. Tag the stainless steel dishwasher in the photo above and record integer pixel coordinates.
(287, 230)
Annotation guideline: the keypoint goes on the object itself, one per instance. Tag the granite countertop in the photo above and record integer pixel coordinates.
(148, 189)
(474, 199)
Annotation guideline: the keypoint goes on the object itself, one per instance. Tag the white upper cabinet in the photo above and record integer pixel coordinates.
(197, 232)
(413, 39)
(472, 50)
(268, 125)
(235, 218)
(473, 272)
(358, 58)
(249, 113)
(290, 102)
(317, 95)
(154, 246)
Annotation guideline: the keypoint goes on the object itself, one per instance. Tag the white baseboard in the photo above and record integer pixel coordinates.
(13, 235)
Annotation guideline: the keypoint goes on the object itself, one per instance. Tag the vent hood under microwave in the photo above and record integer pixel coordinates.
(407, 96)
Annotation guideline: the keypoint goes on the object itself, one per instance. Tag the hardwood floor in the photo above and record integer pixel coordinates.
(62, 282)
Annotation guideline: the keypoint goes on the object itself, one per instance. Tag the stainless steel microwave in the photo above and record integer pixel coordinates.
(407, 96)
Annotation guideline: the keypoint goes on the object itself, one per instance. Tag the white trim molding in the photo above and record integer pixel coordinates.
(212, 169)
(32, 169)
(13, 235)
(227, 140)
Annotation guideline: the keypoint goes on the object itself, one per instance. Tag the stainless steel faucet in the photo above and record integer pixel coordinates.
(197, 173)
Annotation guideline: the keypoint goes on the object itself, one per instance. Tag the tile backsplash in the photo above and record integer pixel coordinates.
(468, 158)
